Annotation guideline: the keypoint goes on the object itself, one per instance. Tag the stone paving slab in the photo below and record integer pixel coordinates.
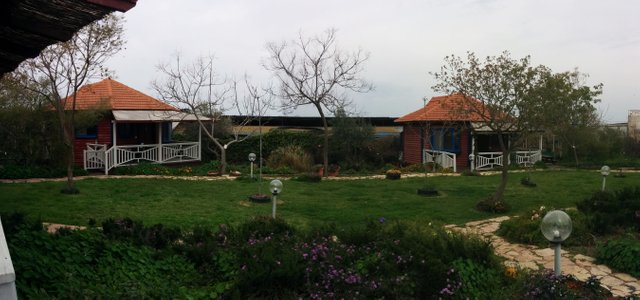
(534, 258)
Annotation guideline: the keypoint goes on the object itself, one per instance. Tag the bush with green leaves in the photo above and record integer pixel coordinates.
(292, 156)
(608, 212)
(621, 254)
(36, 171)
(82, 264)
(525, 229)
(545, 284)
(260, 258)
(309, 141)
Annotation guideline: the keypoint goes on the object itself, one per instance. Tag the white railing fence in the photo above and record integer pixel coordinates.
(490, 160)
(528, 158)
(7, 273)
(99, 157)
(445, 159)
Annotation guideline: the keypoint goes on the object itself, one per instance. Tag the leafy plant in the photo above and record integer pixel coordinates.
(607, 212)
(291, 156)
(621, 254)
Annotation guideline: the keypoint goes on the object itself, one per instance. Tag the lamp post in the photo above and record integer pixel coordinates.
(252, 158)
(276, 188)
(556, 227)
(605, 170)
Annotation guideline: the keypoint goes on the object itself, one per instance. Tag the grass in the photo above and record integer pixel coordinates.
(186, 203)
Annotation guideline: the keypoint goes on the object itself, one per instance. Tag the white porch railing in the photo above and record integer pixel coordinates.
(445, 159)
(7, 273)
(527, 158)
(99, 157)
(490, 160)
(94, 156)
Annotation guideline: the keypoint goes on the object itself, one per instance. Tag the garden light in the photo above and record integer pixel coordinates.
(252, 158)
(276, 188)
(605, 170)
(556, 227)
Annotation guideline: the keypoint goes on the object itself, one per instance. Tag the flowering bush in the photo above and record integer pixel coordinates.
(267, 258)
(393, 174)
(546, 285)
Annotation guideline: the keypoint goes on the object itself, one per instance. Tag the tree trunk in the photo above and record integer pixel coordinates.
(502, 186)
(325, 151)
(223, 160)
(325, 142)
(499, 194)
(68, 138)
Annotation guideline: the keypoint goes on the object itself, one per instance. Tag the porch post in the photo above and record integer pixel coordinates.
(115, 146)
(160, 158)
(540, 144)
(472, 155)
(199, 142)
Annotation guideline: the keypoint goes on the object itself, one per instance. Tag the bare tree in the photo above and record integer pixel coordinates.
(61, 69)
(313, 71)
(197, 88)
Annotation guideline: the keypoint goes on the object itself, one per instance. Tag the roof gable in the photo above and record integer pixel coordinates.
(110, 94)
(444, 108)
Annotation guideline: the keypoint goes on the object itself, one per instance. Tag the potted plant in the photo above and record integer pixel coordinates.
(393, 174)
(318, 169)
(259, 198)
(526, 181)
(428, 191)
(334, 170)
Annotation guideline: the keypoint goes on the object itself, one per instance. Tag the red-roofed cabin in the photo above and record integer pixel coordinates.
(438, 133)
(135, 127)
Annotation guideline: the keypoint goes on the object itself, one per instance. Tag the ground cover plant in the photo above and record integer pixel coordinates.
(186, 203)
(606, 225)
(266, 258)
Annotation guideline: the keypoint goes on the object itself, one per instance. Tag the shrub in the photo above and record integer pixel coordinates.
(525, 229)
(33, 171)
(545, 284)
(393, 174)
(621, 254)
(490, 205)
(311, 177)
(607, 212)
(291, 156)
(156, 236)
(82, 264)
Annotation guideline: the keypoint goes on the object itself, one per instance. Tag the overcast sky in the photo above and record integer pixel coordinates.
(406, 39)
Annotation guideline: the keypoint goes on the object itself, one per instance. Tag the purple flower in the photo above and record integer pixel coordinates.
(382, 220)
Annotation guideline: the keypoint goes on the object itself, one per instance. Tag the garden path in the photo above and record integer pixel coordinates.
(532, 257)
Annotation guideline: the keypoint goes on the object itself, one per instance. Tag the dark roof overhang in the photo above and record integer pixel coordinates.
(28, 26)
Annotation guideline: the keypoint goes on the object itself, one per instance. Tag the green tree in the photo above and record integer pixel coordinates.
(351, 140)
(313, 71)
(61, 69)
(507, 94)
(564, 106)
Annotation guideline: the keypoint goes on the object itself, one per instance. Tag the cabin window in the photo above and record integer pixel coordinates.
(445, 139)
(90, 132)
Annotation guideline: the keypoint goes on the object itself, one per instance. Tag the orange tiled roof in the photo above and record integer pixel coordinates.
(443, 108)
(113, 95)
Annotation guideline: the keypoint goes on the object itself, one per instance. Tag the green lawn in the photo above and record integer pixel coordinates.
(186, 203)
